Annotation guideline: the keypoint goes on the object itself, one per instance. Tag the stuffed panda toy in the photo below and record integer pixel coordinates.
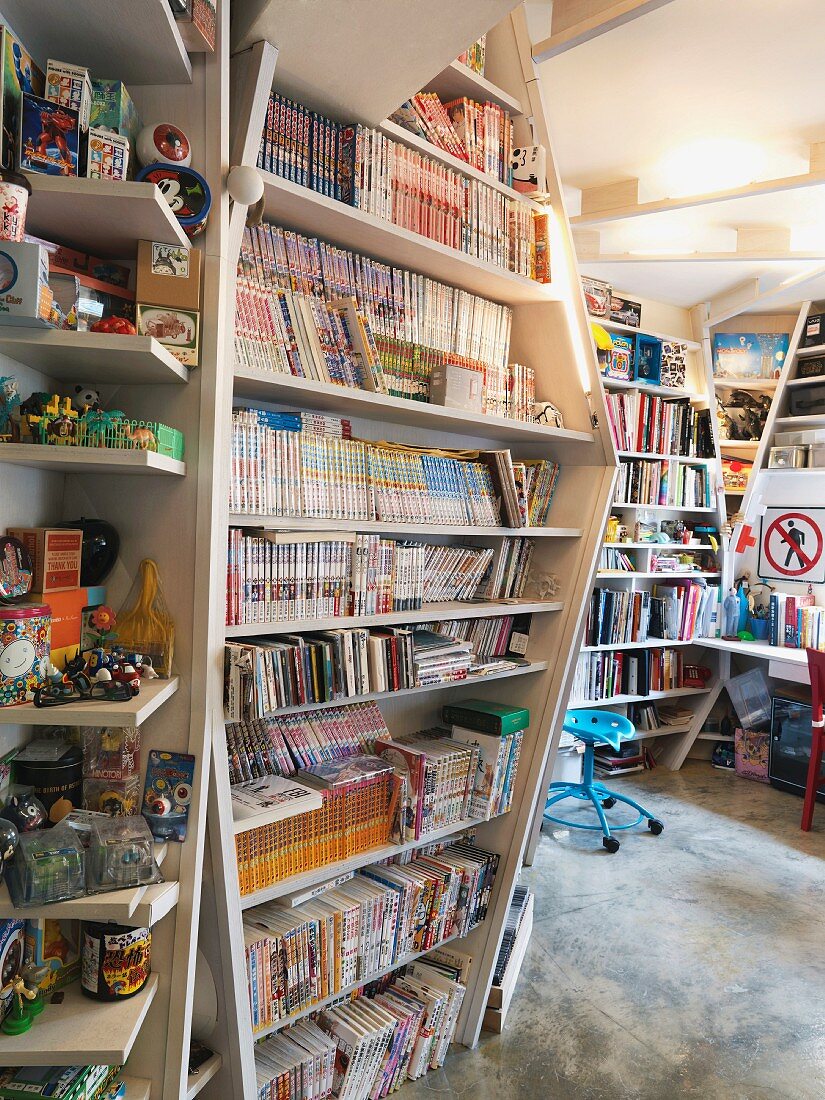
(85, 398)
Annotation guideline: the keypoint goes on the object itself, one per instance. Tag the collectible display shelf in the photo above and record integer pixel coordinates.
(82, 1031)
(451, 609)
(198, 1081)
(388, 527)
(90, 460)
(97, 357)
(549, 333)
(141, 906)
(296, 207)
(658, 507)
(469, 681)
(153, 694)
(749, 385)
(661, 574)
(651, 643)
(632, 330)
(671, 693)
(646, 387)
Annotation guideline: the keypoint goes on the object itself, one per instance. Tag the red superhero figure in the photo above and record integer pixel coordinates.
(55, 125)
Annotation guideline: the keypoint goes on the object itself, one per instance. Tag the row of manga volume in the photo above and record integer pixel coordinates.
(479, 133)
(606, 674)
(291, 670)
(396, 1029)
(347, 936)
(670, 484)
(659, 426)
(364, 168)
(285, 464)
(286, 576)
(795, 622)
(675, 611)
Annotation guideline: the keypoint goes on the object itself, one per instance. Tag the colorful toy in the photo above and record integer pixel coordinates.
(49, 866)
(186, 192)
(16, 568)
(85, 398)
(168, 792)
(14, 197)
(118, 326)
(78, 685)
(25, 812)
(18, 1020)
(49, 137)
(9, 401)
(163, 141)
(121, 853)
(33, 974)
(25, 642)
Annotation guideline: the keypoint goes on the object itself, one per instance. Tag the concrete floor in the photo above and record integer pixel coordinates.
(690, 964)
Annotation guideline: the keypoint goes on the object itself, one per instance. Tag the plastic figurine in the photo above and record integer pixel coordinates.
(85, 398)
(25, 812)
(730, 611)
(8, 843)
(18, 1019)
(32, 975)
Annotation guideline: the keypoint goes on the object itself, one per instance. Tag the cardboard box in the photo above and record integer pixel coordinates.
(456, 387)
(597, 295)
(55, 554)
(621, 358)
(176, 329)
(71, 612)
(168, 275)
(814, 333)
(70, 86)
(49, 137)
(197, 22)
(25, 296)
(107, 155)
(20, 74)
(624, 311)
(72, 262)
(114, 109)
(55, 944)
(749, 354)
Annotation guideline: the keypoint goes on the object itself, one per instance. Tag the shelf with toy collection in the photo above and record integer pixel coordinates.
(98, 224)
(549, 333)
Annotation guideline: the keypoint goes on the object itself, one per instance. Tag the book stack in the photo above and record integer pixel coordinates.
(515, 915)
(301, 955)
(439, 658)
(671, 484)
(659, 426)
(479, 133)
(496, 732)
(497, 636)
(684, 610)
(627, 758)
(510, 569)
(634, 672)
(296, 1065)
(795, 622)
(612, 560)
(617, 616)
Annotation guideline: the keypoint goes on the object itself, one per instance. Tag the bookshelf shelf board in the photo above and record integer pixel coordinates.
(451, 609)
(620, 574)
(671, 693)
(279, 1025)
(196, 1082)
(712, 737)
(687, 459)
(458, 81)
(630, 330)
(646, 387)
(153, 694)
(814, 420)
(422, 145)
(320, 875)
(137, 1088)
(760, 649)
(804, 473)
(306, 211)
(661, 731)
(799, 383)
(89, 460)
(142, 45)
(658, 507)
(749, 385)
(659, 546)
(805, 353)
(651, 643)
(141, 906)
(82, 1031)
(96, 356)
(104, 218)
(343, 401)
(280, 523)
(523, 670)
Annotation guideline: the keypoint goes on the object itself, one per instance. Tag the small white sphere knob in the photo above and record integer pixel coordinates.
(245, 185)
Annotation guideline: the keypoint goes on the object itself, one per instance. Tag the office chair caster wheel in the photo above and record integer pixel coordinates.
(608, 803)
(610, 843)
(656, 827)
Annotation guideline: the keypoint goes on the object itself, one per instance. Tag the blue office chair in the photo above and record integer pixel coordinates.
(597, 727)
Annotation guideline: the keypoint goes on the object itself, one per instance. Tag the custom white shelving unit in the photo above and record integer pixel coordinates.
(550, 333)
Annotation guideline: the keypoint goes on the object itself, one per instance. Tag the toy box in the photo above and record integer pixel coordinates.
(107, 155)
(648, 359)
(111, 769)
(49, 137)
(25, 296)
(68, 619)
(620, 364)
(12, 956)
(70, 86)
(49, 865)
(168, 275)
(20, 74)
(55, 554)
(55, 944)
(176, 329)
(112, 797)
(167, 794)
(114, 109)
(597, 296)
(749, 354)
(625, 312)
(197, 24)
(674, 364)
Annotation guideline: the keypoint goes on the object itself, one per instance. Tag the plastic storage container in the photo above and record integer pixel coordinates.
(49, 866)
(751, 698)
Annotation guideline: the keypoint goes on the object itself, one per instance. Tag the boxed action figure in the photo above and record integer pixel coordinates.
(20, 74)
(49, 137)
(107, 155)
(70, 86)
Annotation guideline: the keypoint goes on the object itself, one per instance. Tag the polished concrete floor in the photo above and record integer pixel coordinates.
(689, 964)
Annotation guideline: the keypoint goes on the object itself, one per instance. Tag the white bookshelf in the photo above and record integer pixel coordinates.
(134, 712)
(89, 460)
(97, 357)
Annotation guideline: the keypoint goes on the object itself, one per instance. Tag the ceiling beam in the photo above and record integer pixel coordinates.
(608, 197)
(753, 240)
(578, 21)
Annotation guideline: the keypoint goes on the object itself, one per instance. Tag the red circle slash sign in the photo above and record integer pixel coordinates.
(781, 528)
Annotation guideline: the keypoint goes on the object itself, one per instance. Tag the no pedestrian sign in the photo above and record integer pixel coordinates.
(791, 546)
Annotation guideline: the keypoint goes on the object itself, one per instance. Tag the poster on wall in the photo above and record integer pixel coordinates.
(791, 545)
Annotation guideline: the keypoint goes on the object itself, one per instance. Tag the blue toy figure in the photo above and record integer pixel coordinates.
(596, 727)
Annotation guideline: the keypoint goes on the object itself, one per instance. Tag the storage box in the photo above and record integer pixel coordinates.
(789, 439)
(751, 698)
(49, 137)
(55, 944)
(808, 400)
(816, 456)
(68, 619)
(597, 295)
(620, 364)
(55, 554)
(811, 368)
(814, 332)
(80, 301)
(114, 109)
(674, 364)
(456, 387)
(20, 73)
(648, 357)
(624, 311)
(70, 86)
(107, 155)
(25, 296)
(176, 329)
(71, 262)
(168, 275)
(788, 458)
(751, 754)
(749, 354)
(196, 21)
